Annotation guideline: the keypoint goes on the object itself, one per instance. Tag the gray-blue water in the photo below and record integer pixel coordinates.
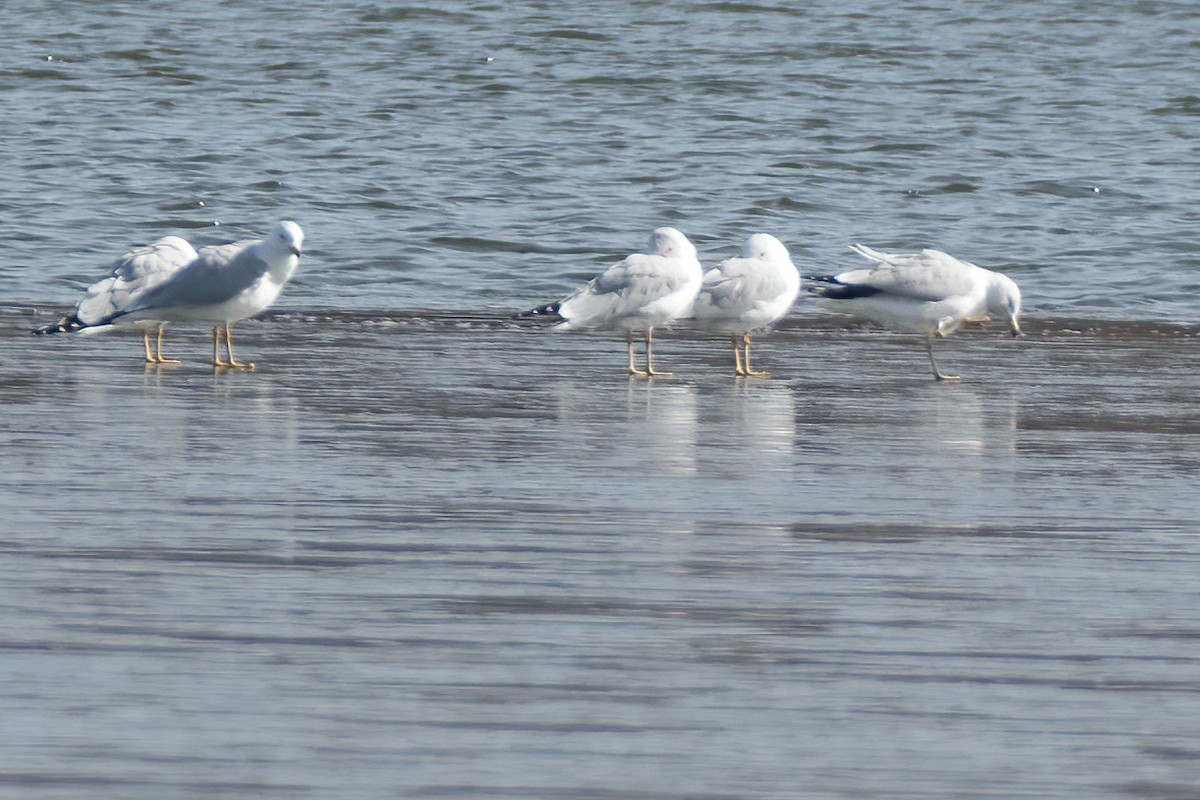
(467, 155)
(423, 551)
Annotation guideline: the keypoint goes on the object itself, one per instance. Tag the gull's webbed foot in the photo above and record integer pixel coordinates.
(234, 364)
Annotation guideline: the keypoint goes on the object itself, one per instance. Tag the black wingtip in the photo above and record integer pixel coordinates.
(547, 312)
(67, 324)
(829, 287)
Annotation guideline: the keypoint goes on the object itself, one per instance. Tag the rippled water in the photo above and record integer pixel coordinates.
(425, 552)
(483, 155)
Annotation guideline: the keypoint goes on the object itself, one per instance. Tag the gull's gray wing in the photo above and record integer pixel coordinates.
(738, 285)
(217, 274)
(624, 288)
(132, 275)
(929, 275)
(128, 278)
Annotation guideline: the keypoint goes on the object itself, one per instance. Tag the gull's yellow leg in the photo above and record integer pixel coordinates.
(146, 344)
(937, 374)
(749, 372)
(233, 362)
(217, 362)
(159, 359)
(633, 370)
(737, 355)
(650, 356)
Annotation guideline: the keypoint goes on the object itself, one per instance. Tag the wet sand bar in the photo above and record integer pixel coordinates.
(470, 559)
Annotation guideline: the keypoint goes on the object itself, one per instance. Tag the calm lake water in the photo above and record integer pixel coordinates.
(423, 551)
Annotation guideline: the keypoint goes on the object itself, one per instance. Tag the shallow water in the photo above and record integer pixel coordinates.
(423, 551)
(398, 560)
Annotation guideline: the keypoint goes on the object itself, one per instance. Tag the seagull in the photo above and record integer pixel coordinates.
(221, 285)
(636, 294)
(129, 277)
(929, 292)
(751, 291)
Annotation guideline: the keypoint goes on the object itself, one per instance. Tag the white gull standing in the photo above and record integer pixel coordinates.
(222, 285)
(929, 292)
(751, 291)
(634, 295)
(129, 277)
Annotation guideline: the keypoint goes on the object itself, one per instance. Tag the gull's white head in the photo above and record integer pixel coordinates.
(670, 243)
(1004, 298)
(765, 247)
(287, 236)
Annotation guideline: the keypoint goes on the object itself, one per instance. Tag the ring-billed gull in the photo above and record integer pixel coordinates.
(129, 277)
(928, 292)
(636, 294)
(751, 291)
(222, 285)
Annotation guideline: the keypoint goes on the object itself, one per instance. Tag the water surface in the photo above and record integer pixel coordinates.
(422, 551)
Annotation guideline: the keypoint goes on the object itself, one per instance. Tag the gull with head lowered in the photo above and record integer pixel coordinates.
(929, 292)
(219, 286)
(751, 291)
(636, 294)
